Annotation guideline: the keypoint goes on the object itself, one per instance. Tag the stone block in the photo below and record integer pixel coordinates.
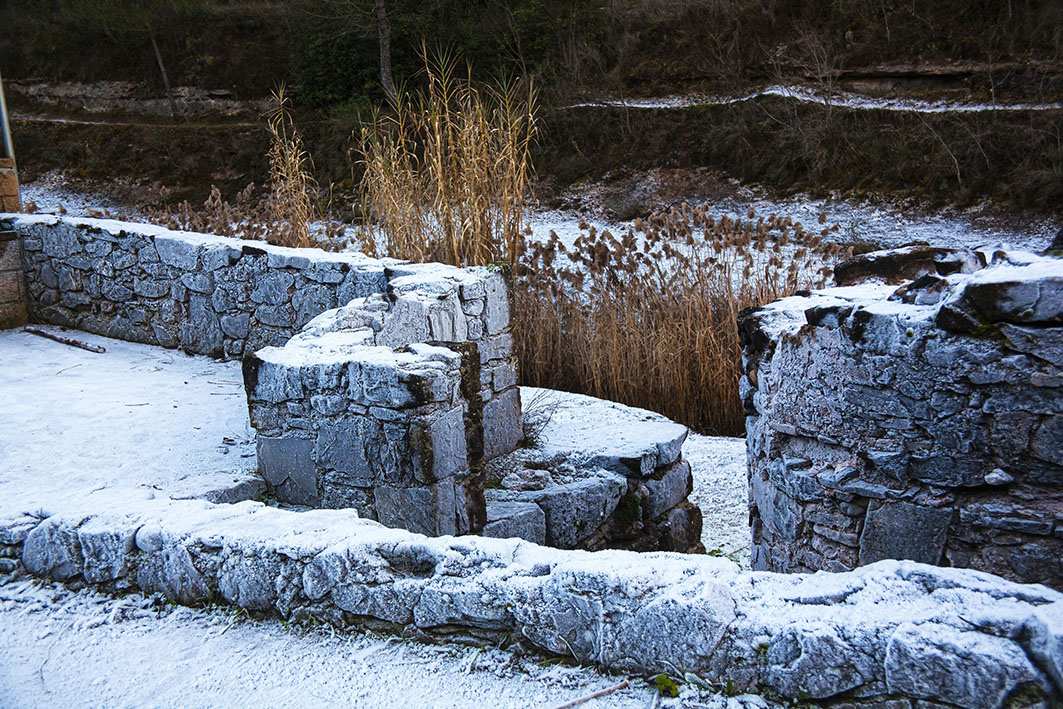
(341, 448)
(288, 467)
(1043, 639)
(235, 326)
(447, 447)
(425, 510)
(575, 511)
(523, 520)
(177, 252)
(901, 530)
(674, 485)
(502, 427)
(932, 661)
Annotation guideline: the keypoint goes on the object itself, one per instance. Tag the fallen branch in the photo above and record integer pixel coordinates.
(65, 340)
(595, 695)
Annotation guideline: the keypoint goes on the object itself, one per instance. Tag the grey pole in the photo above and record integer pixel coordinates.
(5, 127)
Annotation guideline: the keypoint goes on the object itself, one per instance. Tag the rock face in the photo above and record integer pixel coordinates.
(358, 410)
(205, 294)
(896, 634)
(918, 422)
(601, 475)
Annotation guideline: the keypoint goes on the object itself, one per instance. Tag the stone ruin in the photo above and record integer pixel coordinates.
(827, 486)
(913, 412)
(374, 384)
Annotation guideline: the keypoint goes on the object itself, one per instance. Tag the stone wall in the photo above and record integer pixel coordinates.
(9, 196)
(392, 403)
(893, 634)
(594, 475)
(204, 294)
(916, 422)
(12, 282)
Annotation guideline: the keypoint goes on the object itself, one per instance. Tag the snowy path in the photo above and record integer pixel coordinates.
(136, 416)
(60, 648)
(838, 99)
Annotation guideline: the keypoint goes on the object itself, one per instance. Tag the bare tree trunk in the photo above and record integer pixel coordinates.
(165, 77)
(385, 51)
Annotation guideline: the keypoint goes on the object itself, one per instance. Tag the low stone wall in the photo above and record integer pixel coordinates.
(896, 634)
(358, 410)
(593, 475)
(916, 422)
(204, 294)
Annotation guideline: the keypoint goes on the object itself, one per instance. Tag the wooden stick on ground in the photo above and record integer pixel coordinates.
(595, 695)
(65, 340)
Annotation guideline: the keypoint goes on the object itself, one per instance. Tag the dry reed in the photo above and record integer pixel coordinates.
(448, 169)
(648, 319)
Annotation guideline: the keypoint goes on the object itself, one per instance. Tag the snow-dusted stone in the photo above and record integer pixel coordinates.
(205, 294)
(620, 438)
(586, 504)
(887, 632)
(523, 520)
(398, 436)
(575, 510)
(1044, 633)
(672, 487)
(917, 422)
(933, 661)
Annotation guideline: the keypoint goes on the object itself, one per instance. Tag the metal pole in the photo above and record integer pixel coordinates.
(5, 127)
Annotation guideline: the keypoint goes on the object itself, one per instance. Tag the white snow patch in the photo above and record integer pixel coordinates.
(136, 417)
(840, 99)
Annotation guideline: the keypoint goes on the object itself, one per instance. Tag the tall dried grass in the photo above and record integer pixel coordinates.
(448, 169)
(648, 318)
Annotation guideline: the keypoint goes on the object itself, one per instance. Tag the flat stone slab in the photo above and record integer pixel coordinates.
(607, 434)
(137, 416)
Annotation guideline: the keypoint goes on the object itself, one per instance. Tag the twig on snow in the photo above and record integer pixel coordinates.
(595, 695)
(65, 340)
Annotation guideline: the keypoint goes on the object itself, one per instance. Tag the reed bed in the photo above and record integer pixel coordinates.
(648, 318)
(448, 169)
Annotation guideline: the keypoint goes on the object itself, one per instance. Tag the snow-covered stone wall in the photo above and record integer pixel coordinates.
(894, 634)
(918, 422)
(359, 410)
(205, 294)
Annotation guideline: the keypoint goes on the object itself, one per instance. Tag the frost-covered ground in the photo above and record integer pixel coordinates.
(159, 422)
(60, 648)
(882, 224)
(138, 417)
(885, 224)
(136, 420)
(838, 98)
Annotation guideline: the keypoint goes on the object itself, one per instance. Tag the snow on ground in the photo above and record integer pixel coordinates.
(135, 416)
(885, 226)
(719, 469)
(840, 99)
(73, 649)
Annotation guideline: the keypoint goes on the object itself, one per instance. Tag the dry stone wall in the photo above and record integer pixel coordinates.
(373, 384)
(595, 474)
(893, 634)
(914, 412)
(358, 410)
(204, 294)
